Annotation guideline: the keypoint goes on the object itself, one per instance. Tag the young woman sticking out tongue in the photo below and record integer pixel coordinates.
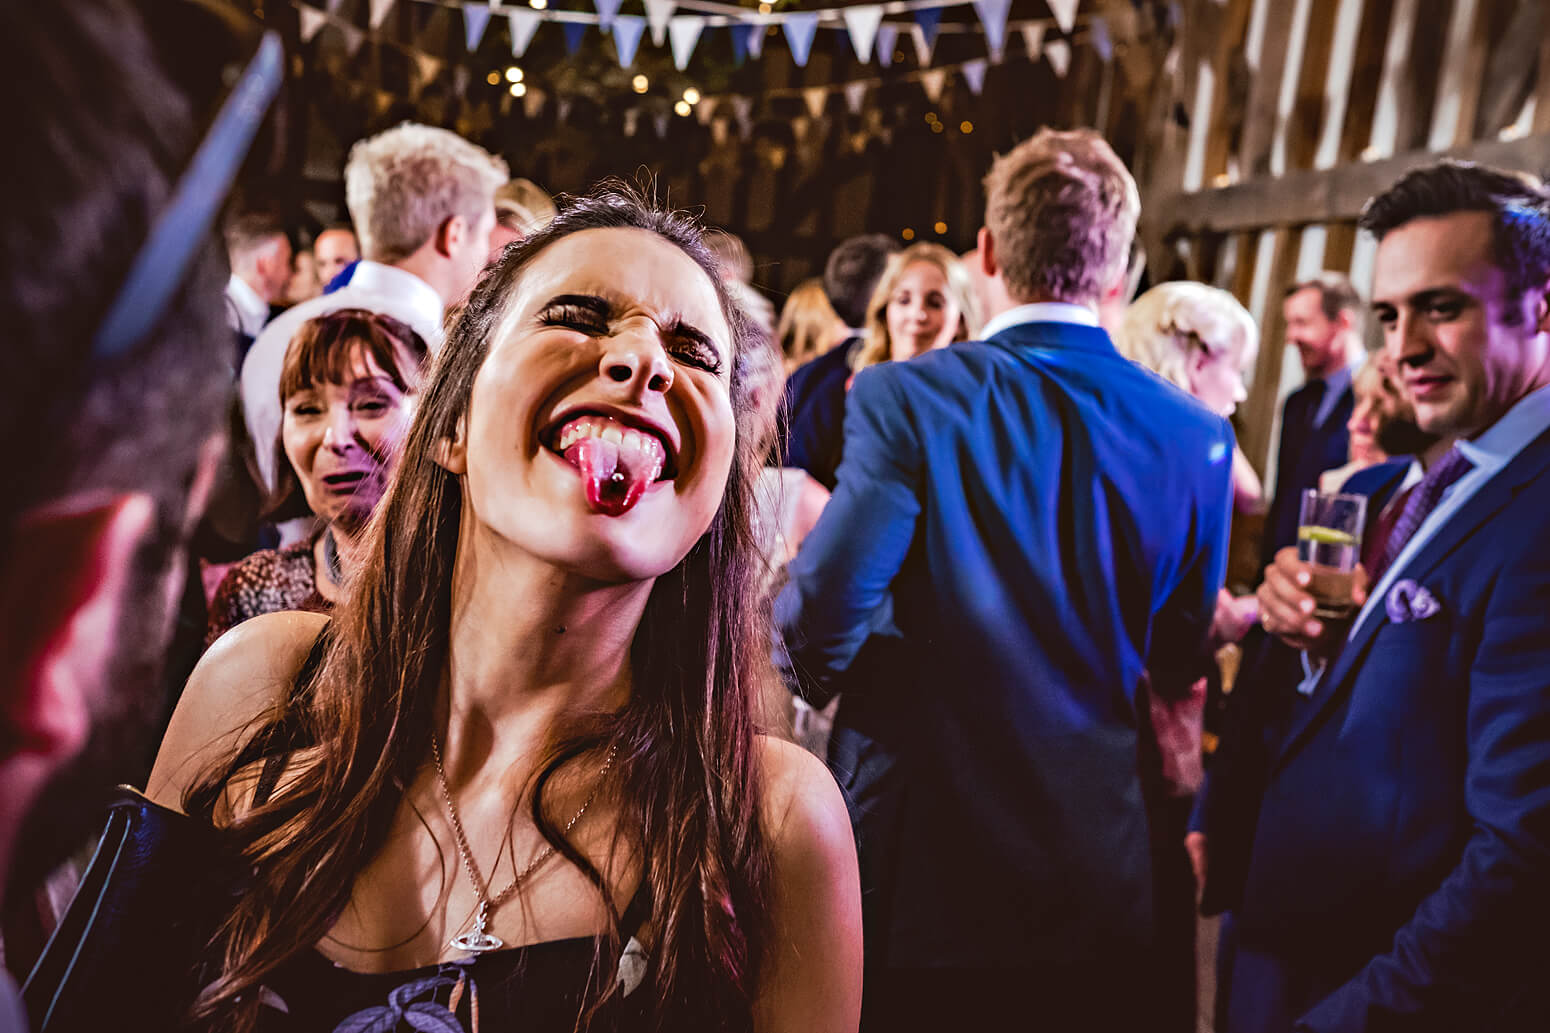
(517, 780)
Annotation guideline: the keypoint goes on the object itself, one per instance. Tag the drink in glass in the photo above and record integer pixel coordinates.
(1329, 541)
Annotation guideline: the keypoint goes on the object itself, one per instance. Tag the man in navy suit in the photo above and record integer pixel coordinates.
(1399, 874)
(1324, 323)
(1023, 528)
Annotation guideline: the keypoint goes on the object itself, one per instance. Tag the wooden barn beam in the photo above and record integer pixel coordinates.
(1331, 195)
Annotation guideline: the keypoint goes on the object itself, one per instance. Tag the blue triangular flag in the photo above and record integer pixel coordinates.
(993, 16)
(800, 30)
(887, 36)
(574, 32)
(929, 19)
(740, 35)
(628, 29)
(476, 18)
(607, 10)
(1103, 43)
(974, 74)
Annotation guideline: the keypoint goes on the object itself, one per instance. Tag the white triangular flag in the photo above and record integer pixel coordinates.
(815, 96)
(862, 24)
(800, 30)
(379, 10)
(660, 121)
(799, 127)
(311, 21)
(1102, 42)
(923, 46)
(607, 11)
(461, 77)
(993, 16)
(429, 67)
(1064, 12)
(476, 18)
(704, 110)
(353, 38)
(855, 95)
(533, 102)
(720, 129)
(742, 108)
(974, 74)
(333, 6)
(1033, 39)
(685, 31)
(524, 22)
(1059, 54)
(657, 14)
(562, 110)
(631, 121)
(756, 40)
(627, 32)
(933, 81)
(887, 38)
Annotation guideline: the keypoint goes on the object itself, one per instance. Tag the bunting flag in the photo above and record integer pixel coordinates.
(704, 110)
(383, 101)
(816, 97)
(461, 77)
(379, 10)
(974, 74)
(855, 96)
(799, 127)
(800, 29)
(631, 119)
(685, 29)
(862, 24)
(657, 14)
(1064, 12)
(574, 33)
(333, 6)
(740, 34)
(1059, 54)
(562, 109)
(993, 17)
(429, 67)
(923, 46)
(353, 38)
(607, 11)
(533, 102)
(628, 29)
(742, 110)
(928, 20)
(524, 22)
(312, 21)
(887, 39)
(660, 120)
(720, 130)
(1102, 42)
(1033, 39)
(756, 40)
(476, 18)
(932, 82)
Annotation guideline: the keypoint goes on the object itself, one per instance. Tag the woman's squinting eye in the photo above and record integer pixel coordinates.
(572, 316)
(700, 354)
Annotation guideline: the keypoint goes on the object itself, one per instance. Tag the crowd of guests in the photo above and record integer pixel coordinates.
(524, 556)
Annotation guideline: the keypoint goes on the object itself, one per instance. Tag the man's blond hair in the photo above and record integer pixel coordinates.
(400, 185)
(1061, 209)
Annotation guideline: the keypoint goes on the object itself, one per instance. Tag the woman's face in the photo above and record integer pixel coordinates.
(921, 313)
(1372, 406)
(1216, 377)
(599, 433)
(343, 440)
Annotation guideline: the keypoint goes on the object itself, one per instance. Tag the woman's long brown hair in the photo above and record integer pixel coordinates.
(688, 783)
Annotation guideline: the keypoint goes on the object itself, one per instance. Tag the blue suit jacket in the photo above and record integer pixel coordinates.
(1400, 871)
(1305, 452)
(1020, 527)
(814, 405)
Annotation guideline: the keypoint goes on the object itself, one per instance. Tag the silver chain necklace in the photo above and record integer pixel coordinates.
(478, 940)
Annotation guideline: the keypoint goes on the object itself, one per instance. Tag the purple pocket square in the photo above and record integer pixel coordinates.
(1408, 601)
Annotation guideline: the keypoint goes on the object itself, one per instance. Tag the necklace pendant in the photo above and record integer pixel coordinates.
(477, 941)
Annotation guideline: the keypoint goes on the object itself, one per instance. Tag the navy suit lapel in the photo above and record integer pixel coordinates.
(1481, 507)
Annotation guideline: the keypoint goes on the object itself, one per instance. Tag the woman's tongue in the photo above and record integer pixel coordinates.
(615, 478)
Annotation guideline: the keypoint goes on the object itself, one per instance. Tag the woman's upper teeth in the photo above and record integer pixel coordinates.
(608, 430)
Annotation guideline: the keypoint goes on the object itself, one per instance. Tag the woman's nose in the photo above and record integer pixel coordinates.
(636, 358)
(339, 433)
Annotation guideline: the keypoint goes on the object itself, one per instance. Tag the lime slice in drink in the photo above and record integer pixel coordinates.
(1324, 535)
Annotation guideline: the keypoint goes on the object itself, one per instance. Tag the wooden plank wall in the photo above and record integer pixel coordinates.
(1299, 110)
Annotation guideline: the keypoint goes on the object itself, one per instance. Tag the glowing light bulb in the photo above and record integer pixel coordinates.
(539, 5)
(494, 78)
(683, 107)
(940, 227)
(692, 95)
(907, 233)
(513, 74)
(518, 89)
(966, 127)
(640, 83)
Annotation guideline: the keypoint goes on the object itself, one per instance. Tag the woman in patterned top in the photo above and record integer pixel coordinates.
(347, 391)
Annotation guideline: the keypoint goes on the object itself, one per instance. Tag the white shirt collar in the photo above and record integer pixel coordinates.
(252, 310)
(413, 292)
(1040, 312)
(1499, 443)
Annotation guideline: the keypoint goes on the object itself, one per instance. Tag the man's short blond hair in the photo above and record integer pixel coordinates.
(1061, 209)
(400, 185)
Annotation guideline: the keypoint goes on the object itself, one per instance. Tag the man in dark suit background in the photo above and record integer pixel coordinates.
(1324, 323)
(1021, 526)
(1398, 872)
(815, 392)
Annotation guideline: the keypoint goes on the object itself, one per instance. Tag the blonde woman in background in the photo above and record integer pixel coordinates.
(925, 300)
(808, 324)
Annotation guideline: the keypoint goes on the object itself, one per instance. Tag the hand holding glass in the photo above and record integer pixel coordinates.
(1329, 541)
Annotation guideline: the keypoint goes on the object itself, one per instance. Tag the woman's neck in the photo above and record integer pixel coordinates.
(347, 546)
(529, 644)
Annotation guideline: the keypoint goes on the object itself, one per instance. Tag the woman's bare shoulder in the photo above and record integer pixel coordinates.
(801, 797)
(244, 674)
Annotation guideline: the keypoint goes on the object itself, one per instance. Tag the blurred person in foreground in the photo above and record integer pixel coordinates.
(522, 208)
(815, 392)
(1035, 521)
(1395, 874)
(349, 386)
(422, 201)
(112, 432)
(808, 325)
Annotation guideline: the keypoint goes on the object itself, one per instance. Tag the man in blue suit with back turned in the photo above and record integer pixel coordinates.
(1399, 873)
(1023, 529)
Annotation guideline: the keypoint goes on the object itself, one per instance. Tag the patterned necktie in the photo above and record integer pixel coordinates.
(1419, 505)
